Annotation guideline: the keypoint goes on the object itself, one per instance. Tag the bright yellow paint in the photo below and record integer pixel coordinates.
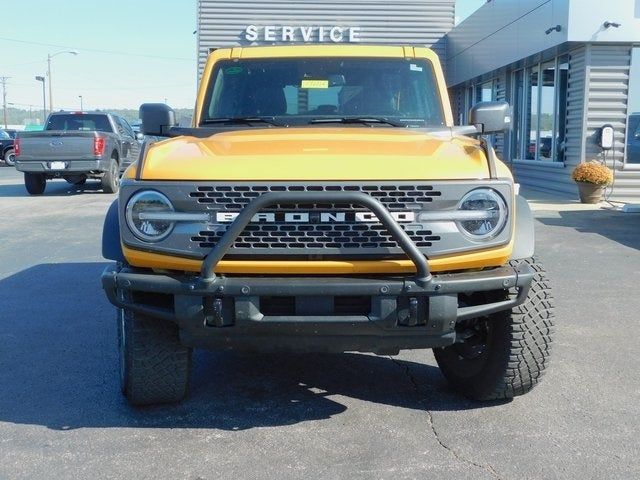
(479, 259)
(317, 154)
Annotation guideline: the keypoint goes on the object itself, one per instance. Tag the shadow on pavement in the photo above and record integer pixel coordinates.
(623, 228)
(59, 369)
(57, 188)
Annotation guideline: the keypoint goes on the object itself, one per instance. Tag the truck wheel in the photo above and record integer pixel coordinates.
(35, 183)
(111, 178)
(154, 366)
(10, 157)
(505, 354)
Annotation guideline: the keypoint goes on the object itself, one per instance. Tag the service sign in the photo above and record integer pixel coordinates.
(306, 34)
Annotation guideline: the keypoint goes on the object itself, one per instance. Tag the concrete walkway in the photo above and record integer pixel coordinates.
(542, 200)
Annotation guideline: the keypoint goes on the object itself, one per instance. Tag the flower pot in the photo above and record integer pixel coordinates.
(590, 192)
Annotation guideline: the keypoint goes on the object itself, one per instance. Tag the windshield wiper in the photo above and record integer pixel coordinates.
(243, 120)
(361, 120)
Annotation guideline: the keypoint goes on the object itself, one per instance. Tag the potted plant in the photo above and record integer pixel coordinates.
(591, 178)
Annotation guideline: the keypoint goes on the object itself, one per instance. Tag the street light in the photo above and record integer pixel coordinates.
(49, 57)
(80, 97)
(44, 99)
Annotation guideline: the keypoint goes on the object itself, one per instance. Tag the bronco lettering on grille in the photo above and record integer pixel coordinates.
(316, 217)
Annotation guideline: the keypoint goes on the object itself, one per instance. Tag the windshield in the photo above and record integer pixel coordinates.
(80, 122)
(298, 91)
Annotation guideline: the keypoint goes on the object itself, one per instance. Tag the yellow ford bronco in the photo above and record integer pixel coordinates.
(324, 201)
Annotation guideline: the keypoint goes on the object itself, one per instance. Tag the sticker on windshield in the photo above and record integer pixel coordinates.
(306, 83)
(233, 70)
(415, 68)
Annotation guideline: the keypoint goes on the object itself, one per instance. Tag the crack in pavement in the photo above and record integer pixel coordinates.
(487, 467)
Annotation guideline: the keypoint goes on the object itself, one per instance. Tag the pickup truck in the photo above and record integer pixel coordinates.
(77, 146)
(324, 200)
(6, 148)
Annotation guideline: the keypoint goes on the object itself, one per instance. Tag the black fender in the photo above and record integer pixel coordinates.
(524, 235)
(111, 246)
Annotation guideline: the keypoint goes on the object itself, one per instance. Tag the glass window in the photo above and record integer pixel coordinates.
(484, 92)
(517, 102)
(4, 135)
(562, 81)
(540, 111)
(530, 136)
(81, 122)
(303, 89)
(545, 145)
(633, 109)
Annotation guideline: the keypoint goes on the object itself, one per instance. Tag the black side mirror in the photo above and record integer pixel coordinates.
(490, 117)
(157, 119)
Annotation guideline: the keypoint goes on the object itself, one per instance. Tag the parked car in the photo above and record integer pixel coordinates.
(77, 146)
(12, 133)
(7, 152)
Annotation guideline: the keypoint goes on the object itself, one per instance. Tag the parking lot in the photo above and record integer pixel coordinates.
(313, 416)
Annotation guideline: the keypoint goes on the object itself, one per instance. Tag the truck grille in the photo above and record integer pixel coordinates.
(236, 197)
(315, 238)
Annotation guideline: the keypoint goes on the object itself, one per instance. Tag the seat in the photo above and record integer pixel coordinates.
(265, 100)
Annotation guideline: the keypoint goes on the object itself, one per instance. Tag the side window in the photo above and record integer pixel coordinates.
(127, 127)
(119, 125)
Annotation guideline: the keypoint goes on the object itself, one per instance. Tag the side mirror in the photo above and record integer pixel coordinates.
(157, 119)
(490, 117)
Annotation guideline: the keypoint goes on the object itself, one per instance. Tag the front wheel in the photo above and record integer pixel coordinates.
(10, 157)
(154, 366)
(111, 178)
(503, 355)
(35, 183)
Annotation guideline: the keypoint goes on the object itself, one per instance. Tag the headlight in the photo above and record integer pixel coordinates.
(487, 211)
(145, 212)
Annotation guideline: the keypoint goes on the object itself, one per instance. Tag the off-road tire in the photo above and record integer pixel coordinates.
(10, 157)
(111, 178)
(517, 347)
(35, 183)
(154, 366)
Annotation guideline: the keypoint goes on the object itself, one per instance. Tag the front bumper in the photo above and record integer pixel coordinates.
(368, 314)
(229, 312)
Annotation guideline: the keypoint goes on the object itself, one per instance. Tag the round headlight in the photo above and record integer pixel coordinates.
(144, 215)
(487, 214)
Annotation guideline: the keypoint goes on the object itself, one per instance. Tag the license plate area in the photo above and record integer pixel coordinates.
(57, 165)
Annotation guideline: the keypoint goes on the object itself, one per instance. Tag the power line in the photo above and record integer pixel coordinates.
(3, 80)
(95, 50)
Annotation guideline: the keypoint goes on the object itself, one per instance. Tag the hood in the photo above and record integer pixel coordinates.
(322, 153)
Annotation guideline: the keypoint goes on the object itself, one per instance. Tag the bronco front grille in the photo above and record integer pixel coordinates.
(314, 237)
(236, 197)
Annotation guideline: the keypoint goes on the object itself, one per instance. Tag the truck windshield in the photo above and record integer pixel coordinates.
(79, 122)
(298, 91)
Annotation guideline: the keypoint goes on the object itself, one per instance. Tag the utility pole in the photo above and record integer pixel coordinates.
(3, 80)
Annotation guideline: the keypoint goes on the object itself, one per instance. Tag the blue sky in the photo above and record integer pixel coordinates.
(129, 52)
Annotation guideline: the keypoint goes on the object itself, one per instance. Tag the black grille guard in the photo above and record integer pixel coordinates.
(423, 276)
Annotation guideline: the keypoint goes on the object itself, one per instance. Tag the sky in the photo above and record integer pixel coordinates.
(129, 52)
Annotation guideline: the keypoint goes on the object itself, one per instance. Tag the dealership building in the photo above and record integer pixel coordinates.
(567, 67)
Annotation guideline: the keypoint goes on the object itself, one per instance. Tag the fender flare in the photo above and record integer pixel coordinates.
(111, 246)
(524, 235)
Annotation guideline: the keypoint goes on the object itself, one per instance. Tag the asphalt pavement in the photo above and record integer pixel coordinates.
(306, 416)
